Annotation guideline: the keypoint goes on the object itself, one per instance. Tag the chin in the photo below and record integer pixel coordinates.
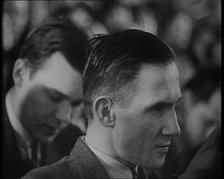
(154, 163)
(158, 164)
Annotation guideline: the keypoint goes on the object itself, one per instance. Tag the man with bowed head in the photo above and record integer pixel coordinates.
(47, 89)
(130, 89)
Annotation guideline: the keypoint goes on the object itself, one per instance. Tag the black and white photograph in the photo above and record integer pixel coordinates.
(108, 89)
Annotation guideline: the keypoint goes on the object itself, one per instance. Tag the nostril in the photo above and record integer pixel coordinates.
(171, 128)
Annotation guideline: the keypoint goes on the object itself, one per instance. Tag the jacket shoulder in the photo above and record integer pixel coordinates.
(64, 168)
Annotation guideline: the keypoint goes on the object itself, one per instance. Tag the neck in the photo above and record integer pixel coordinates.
(100, 138)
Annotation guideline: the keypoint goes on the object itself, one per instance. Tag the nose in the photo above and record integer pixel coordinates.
(171, 126)
(64, 111)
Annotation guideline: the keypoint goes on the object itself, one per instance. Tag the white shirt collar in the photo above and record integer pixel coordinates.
(114, 167)
(16, 125)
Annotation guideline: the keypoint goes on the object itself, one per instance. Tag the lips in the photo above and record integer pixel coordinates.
(163, 147)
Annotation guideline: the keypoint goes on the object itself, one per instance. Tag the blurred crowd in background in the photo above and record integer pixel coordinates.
(191, 27)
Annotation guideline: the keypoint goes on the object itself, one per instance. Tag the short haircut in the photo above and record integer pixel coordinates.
(55, 35)
(114, 61)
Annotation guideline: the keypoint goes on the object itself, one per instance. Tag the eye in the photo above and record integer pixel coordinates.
(159, 108)
(77, 103)
(54, 96)
(157, 112)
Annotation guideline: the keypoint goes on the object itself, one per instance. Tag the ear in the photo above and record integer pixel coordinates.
(102, 107)
(21, 72)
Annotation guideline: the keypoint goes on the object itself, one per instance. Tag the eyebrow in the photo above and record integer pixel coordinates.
(161, 104)
(49, 90)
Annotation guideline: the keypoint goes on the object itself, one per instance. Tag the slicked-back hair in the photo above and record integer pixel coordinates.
(114, 62)
(55, 35)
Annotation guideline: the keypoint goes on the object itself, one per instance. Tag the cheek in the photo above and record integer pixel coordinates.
(42, 107)
(134, 137)
(36, 108)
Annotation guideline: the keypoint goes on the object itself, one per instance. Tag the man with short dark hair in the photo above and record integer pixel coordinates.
(47, 88)
(130, 88)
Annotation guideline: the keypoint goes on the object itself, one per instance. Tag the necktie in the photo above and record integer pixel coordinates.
(36, 153)
(137, 173)
(134, 174)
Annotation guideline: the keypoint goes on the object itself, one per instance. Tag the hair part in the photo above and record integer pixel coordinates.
(114, 62)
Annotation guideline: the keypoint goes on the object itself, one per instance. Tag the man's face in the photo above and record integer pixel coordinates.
(202, 117)
(143, 130)
(49, 98)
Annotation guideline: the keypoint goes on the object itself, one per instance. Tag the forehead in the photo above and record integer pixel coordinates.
(158, 83)
(58, 74)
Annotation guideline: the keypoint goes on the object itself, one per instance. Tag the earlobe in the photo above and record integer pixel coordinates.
(102, 106)
(20, 72)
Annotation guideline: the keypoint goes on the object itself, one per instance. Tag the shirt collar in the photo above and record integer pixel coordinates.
(16, 124)
(114, 167)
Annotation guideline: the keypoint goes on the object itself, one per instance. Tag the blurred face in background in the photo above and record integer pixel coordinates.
(202, 117)
(144, 128)
(49, 96)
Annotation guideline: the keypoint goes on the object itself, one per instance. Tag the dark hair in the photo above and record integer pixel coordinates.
(114, 61)
(55, 35)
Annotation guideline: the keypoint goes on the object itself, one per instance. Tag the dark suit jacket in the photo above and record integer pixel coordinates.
(12, 165)
(81, 164)
(207, 161)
